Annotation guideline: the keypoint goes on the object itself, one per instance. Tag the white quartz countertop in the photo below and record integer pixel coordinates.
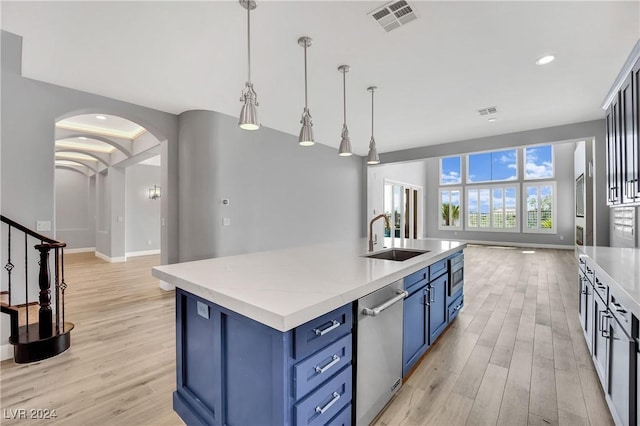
(621, 270)
(286, 288)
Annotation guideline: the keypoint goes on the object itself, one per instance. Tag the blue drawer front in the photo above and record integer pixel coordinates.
(437, 269)
(415, 279)
(343, 418)
(455, 306)
(327, 401)
(318, 333)
(313, 371)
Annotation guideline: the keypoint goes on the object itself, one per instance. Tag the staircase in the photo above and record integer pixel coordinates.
(49, 335)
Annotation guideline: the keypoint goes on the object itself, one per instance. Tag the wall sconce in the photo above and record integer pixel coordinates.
(154, 193)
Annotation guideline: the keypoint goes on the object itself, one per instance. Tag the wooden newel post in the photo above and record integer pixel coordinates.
(44, 280)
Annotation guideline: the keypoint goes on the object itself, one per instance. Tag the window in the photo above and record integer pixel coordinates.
(540, 202)
(492, 166)
(451, 170)
(450, 209)
(493, 208)
(538, 162)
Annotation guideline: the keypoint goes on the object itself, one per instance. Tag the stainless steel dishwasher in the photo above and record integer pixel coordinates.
(379, 350)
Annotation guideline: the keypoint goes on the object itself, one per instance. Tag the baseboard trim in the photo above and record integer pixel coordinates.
(523, 245)
(79, 250)
(142, 253)
(6, 352)
(166, 286)
(110, 259)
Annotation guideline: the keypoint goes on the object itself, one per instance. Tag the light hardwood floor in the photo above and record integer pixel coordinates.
(514, 356)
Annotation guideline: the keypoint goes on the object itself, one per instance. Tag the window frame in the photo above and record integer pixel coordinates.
(440, 170)
(554, 207)
(460, 189)
(524, 163)
(491, 228)
(467, 162)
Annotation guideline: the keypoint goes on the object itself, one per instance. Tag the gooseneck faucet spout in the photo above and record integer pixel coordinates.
(386, 221)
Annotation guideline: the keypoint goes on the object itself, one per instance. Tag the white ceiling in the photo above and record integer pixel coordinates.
(433, 74)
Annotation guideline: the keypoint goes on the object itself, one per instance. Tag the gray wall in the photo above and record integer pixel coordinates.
(281, 194)
(142, 215)
(570, 132)
(75, 205)
(29, 111)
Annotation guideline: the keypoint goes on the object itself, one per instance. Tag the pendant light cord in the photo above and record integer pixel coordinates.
(305, 75)
(344, 95)
(372, 113)
(249, 39)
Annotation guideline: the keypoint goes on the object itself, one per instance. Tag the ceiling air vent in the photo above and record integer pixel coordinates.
(394, 15)
(488, 111)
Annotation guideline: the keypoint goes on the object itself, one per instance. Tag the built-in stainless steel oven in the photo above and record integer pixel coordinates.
(456, 273)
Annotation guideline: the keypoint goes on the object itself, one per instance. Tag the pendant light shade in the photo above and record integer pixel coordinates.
(372, 157)
(306, 132)
(249, 114)
(345, 143)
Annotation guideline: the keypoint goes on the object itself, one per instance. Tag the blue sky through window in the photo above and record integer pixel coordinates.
(493, 166)
(538, 162)
(451, 170)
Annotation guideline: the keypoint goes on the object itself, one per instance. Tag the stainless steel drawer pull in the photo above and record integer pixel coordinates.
(334, 324)
(334, 360)
(336, 397)
(372, 312)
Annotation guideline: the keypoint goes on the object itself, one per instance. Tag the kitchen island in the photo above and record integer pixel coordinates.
(267, 338)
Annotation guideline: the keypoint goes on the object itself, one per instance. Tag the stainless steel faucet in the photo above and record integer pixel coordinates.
(386, 221)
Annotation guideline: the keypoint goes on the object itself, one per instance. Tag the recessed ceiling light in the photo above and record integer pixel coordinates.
(528, 251)
(82, 138)
(101, 117)
(545, 60)
(491, 120)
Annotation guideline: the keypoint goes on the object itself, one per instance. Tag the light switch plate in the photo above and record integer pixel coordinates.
(203, 310)
(43, 225)
(226, 221)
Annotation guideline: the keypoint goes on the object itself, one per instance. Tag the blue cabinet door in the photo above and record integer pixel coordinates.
(414, 342)
(437, 307)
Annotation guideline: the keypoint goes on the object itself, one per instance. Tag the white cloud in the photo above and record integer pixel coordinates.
(451, 177)
(536, 171)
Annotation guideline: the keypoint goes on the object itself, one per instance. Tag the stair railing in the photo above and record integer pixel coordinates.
(45, 314)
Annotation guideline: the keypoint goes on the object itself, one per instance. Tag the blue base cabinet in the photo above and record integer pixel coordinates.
(232, 370)
(438, 318)
(428, 310)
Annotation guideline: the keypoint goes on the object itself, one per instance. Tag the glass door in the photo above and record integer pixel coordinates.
(403, 208)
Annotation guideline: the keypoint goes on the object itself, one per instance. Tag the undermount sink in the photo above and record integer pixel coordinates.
(399, 255)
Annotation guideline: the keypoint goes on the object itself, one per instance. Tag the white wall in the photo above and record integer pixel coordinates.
(142, 215)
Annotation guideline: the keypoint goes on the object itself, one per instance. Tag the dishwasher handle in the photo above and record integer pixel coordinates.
(372, 312)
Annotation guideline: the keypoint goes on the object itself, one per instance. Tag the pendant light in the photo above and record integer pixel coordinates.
(372, 157)
(248, 114)
(345, 143)
(306, 132)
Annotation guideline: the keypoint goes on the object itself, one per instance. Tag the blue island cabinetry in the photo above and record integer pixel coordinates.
(232, 370)
(433, 302)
